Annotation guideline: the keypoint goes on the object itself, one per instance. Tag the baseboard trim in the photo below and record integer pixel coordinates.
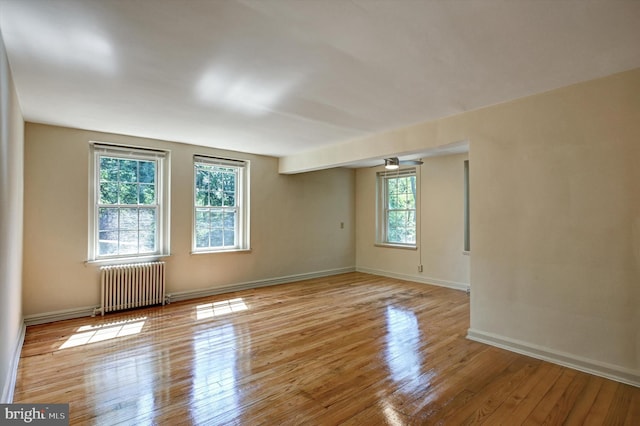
(608, 371)
(62, 315)
(88, 311)
(194, 294)
(424, 280)
(10, 381)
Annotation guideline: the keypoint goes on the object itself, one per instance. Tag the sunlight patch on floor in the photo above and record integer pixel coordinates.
(214, 309)
(98, 333)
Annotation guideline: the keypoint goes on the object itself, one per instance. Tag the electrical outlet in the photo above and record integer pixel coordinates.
(419, 268)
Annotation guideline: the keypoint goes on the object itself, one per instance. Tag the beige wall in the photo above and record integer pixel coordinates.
(11, 208)
(441, 224)
(295, 221)
(555, 220)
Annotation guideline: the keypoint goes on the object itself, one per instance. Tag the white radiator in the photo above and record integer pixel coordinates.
(131, 286)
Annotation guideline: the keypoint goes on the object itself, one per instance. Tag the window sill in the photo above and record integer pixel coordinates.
(398, 246)
(118, 260)
(222, 251)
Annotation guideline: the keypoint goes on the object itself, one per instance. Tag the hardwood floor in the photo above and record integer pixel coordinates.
(351, 349)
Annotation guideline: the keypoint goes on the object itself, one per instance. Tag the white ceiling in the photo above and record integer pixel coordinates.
(280, 77)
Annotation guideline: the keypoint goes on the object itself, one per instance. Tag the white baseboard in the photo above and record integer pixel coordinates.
(185, 295)
(10, 381)
(64, 314)
(194, 294)
(609, 371)
(416, 278)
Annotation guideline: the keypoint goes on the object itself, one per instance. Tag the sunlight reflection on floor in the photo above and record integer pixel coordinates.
(97, 333)
(214, 309)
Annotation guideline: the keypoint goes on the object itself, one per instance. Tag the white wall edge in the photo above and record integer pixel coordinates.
(87, 311)
(608, 371)
(10, 381)
(423, 280)
(194, 294)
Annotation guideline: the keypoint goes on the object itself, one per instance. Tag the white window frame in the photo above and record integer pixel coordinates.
(162, 159)
(242, 240)
(382, 211)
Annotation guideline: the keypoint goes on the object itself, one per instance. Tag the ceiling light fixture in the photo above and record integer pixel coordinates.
(391, 163)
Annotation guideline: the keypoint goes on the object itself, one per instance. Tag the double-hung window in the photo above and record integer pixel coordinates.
(397, 206)
(128, 211)
(221, 205)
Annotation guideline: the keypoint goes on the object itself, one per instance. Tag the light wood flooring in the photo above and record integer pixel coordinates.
(351, 349)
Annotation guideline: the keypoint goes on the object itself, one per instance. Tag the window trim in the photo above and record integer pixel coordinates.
(163, 158)
(242, 202)
(381, 202)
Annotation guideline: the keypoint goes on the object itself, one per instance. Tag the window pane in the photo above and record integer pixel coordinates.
(395, 225)
(401, 185)
(107, 242)
(215, 198)
(393, 201)
(147, 172)
(108, 193)
(216, 219)
(107, 219)
(229, 199)
(391, 225)
(216, 237)
(147, 243)
(147, 219)
(147, 193)
(129, 219)
(404, 202)
(202, 219)
(128, 243)
(229, 182)
(215, 180)
(128, 171)
(401, 227)
(202, 178)
(230, 220)
(128, 193)
(229, 238)
(392, 185)
(202, 237)
(202, 198)
(108, 169)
